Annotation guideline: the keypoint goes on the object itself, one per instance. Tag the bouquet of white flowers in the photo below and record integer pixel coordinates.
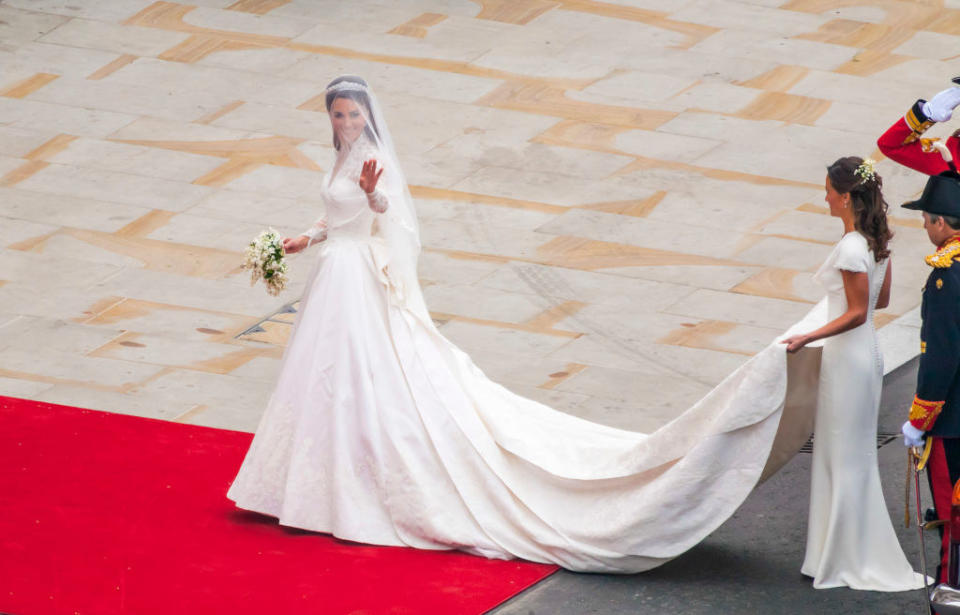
(264, 259)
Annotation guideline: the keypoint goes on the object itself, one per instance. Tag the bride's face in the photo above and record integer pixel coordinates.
(347, 119)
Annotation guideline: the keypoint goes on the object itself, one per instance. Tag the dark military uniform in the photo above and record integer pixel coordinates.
(936, 406)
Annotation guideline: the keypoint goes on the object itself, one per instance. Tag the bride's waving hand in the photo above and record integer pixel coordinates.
(369, 176)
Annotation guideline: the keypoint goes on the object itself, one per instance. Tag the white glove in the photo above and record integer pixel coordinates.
(911, 435)
(940, 107)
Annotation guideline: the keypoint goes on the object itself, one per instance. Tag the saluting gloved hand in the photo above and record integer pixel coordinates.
(911, 435)
(940, 107)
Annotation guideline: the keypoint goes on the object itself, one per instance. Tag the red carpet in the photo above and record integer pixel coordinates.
(102, 513)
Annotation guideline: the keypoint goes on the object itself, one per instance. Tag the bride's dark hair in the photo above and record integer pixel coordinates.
(358, 96)
(866, 198)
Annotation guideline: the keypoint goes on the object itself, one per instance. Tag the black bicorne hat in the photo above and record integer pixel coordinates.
(940, 196)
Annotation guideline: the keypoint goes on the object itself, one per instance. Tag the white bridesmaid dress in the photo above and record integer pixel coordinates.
(850, 538)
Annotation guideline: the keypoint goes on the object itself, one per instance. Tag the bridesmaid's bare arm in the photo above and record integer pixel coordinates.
(856, 286)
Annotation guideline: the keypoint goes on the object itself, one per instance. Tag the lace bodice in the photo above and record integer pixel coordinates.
(350, 211)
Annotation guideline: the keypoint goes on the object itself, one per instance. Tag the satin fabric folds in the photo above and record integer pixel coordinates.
(382, 431)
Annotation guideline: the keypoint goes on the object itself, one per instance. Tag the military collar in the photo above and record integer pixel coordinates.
(946, 254)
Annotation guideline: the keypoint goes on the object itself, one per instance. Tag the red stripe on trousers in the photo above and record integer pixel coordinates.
(942, 489)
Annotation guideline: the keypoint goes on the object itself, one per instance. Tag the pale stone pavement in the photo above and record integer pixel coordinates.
(620, 201)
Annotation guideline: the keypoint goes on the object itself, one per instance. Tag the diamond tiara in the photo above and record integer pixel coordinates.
(347, 85)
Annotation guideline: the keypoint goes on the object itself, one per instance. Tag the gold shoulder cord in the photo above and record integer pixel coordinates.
(944, 257)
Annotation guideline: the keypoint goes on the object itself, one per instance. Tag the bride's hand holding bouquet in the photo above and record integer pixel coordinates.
(292, 245)
(264, 259)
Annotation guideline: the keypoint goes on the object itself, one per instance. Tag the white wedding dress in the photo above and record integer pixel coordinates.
(381, 431)
(850, 538)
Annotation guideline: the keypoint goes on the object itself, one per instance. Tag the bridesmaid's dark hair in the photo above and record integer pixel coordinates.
(358, 96)
(866, 197)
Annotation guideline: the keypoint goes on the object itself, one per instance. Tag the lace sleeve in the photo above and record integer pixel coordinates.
(317, 232)
(378, 201)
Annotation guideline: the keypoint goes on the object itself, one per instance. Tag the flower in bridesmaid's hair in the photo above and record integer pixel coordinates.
(264, 259)
(865, 171)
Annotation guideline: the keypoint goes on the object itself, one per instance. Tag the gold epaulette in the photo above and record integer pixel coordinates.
(945, 256)
(923, 414)
(917, 126)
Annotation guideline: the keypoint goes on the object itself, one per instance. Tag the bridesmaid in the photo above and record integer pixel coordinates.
(850, 538)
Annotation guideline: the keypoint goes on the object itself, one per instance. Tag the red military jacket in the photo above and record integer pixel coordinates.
(936, 405)
(902, 143)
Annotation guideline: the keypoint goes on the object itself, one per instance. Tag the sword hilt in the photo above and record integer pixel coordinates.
(921, 456)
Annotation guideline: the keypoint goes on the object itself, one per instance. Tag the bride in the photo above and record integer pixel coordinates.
(381, 431)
